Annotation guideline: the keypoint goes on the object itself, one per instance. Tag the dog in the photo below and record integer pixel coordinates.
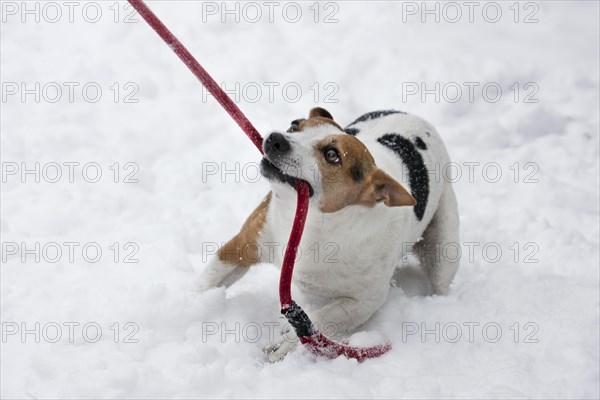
(371, 197)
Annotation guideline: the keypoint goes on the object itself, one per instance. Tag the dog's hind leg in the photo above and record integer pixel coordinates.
(236, 256)
(439, 250)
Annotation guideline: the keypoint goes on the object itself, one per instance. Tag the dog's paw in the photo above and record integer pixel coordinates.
(277, 351)
(203, 285)
(214, 275)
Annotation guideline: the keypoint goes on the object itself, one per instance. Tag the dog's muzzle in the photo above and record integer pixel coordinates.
(275, 147)
(272, 173)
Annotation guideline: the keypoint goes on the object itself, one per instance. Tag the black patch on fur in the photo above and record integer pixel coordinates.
(417, 171)
(375, 115)
(420, 143)
(357, 173)
(351, 131)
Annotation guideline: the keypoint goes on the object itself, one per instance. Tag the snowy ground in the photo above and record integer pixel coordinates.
(528, 318)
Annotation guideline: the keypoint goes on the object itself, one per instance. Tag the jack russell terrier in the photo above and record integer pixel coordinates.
(370, 195)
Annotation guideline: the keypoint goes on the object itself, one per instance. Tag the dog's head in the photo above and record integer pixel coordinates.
(338, 167)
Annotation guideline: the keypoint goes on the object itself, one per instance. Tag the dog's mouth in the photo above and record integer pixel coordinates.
(272, 173)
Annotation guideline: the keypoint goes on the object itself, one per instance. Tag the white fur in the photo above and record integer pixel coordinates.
(370, 241)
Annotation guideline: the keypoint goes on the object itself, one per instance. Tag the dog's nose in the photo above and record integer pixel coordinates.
(276, 143)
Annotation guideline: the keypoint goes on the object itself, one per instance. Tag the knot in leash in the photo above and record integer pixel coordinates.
(298, 320)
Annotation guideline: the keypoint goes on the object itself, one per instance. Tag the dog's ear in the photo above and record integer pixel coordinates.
(320, 112)
(385, 189)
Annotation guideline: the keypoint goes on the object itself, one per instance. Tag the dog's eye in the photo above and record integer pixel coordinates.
(294, 126)
(332, 156)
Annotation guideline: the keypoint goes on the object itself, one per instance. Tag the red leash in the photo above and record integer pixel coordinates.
(200, 73)
(313, 339)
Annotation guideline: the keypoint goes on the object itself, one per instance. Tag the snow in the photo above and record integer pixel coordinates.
(544, 299)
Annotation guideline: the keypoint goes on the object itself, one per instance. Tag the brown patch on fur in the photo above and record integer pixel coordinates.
(340, 183)
(319, 112)
(316, 121)
(243, 249)
(383, 188)
(356, 179)
(317, 116)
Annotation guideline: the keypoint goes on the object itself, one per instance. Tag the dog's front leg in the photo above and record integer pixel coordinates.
(340, 317)
(242, 251)
(218, 273)
(345, 314)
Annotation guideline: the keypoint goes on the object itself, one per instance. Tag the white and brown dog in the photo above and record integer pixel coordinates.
(371, 197)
